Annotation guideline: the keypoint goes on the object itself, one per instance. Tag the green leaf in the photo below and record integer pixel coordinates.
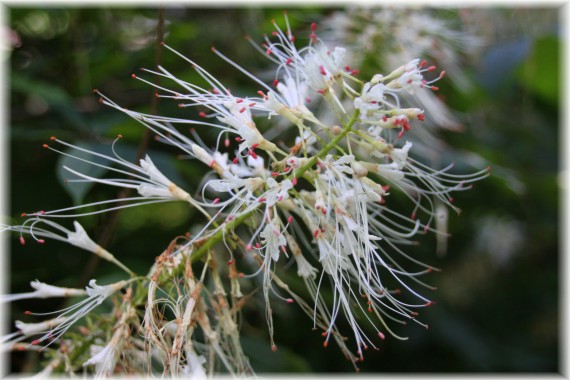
(540, 73)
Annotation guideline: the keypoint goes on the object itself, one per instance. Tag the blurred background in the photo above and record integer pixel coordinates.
(498, 299)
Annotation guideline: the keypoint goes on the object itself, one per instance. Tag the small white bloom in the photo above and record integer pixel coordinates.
(273, 239)
(43, 290)
(304, 268)
(103, 358)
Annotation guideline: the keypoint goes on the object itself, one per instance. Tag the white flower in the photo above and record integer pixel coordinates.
(371, 98)
(68, 316)
(150, 183)
(272, 239)
(322, 67)
(78, 238)
(304, 268)
(195, 367)
(43, 290)
(103, 358)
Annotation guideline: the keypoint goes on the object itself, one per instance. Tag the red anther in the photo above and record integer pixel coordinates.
(53, 138)
(133, 76)
(292, 38)
(382, 201)
(322, 70)
(354, 72)
(216, 91)
(288, 61)
(242, 110)
(324, 333)
(434, 88)
(95, 90)
(274, 174)
(202, 114)
(249, 247)
(409, 81)
(41, 241)
(421, 117)
(24, 214)
(401, 134)
(216, 201)
(386, 187)
(273, 348)
(430, 269)
(251, 104)
(42, 212)
(260, 93)
(294, 181)
(252, 154)
(283, 249)
(239, 100)
(321, 91)
(22, 240)
(414, 313)
(381, 335)
(324, 211)
(45, 146)
(450, 199)
(429, 303)
(347, 68)
(254, 146)
(313, 26)
(274, 33)
(230, 262)
(262, 199)
(257, 245)
(157, 94)
(161, 43)
(238, 139)
(27, 312)
(423, 63)
(275, 82)
(431, 68)
(213, 48)
(119, 136)
(181, 105)
(315, 233)
(235, 161)
(289, 300)
(313, 36)
(241, 275)
(442, 74)
(35, 342)
(287, 169)
(227, 142)
(290, 219)
(370, 310)
(325, 343)
(308, 100)
(268, 52)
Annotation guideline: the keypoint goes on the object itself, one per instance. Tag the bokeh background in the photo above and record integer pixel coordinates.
(498, 298)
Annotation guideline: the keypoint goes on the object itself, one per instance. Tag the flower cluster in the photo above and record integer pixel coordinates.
(325, 199)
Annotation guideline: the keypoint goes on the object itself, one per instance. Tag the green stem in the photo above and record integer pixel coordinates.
(331, 145)
(218, 236)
